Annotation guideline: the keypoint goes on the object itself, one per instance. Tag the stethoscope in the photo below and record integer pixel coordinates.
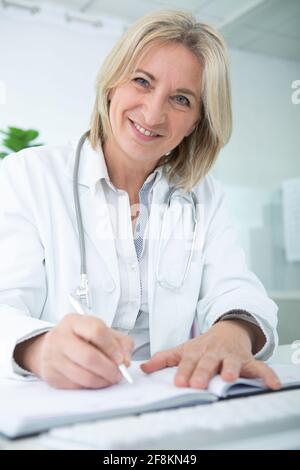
(82, 291)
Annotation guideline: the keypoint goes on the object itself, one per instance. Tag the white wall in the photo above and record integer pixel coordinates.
(264, 150)
(49, 71)
(265, 145)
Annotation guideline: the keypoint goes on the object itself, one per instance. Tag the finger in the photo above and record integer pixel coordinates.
(258, 369)
(127, 345)
(231, 368)
(80, 376)
(55, 379)
(207, 367)
(96, 332)
(160, 360)
(185, 370)
(88, 357)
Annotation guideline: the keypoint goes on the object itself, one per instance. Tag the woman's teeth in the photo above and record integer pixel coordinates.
(144, 131)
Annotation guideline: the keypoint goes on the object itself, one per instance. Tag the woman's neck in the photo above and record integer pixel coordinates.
(124, 173)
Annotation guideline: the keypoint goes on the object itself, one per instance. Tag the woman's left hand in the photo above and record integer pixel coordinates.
(226, 348)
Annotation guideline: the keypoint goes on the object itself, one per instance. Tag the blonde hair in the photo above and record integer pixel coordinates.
(194, 156)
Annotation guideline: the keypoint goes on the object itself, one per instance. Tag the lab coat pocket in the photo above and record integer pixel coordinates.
(177, 254)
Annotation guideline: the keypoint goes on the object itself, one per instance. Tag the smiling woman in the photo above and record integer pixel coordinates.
(161, 115)
(148, 116)
(153, 54)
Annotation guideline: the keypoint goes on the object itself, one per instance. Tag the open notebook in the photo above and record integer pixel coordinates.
(31, 406)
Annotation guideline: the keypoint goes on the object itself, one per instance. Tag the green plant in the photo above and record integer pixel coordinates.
(17, 139)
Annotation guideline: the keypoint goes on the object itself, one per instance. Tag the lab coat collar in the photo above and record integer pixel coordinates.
(93, 168)
(92, 165)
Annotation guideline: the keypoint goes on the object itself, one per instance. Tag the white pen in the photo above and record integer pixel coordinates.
(79, 309)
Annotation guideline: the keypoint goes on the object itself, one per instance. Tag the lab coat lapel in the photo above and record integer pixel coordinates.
(95, 212)
(97, 227)
(164, 324)
(155, 222)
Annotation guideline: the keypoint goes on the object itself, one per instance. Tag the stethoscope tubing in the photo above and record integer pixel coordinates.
(83, 290)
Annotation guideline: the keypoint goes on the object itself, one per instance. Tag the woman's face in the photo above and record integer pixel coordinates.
(159, 106)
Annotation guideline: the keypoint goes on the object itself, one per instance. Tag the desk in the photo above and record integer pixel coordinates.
(282, 356)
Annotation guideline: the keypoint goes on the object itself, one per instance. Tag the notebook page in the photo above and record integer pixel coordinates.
(288, 375)
(31, 406)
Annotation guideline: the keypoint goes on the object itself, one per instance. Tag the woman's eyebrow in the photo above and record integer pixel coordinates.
(186, 91)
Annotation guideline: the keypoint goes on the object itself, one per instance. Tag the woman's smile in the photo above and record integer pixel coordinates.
(142, 134)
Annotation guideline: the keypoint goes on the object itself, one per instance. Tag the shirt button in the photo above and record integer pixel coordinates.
(133, 267)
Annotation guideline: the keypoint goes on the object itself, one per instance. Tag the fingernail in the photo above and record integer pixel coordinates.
(127, 356)
(198, 382)
(230, 374)
(277, 384)
(118, 357)
(181, 379)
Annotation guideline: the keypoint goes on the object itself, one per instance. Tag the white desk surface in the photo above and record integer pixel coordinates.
(283, 356)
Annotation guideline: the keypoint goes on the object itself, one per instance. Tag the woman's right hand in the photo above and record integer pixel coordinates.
(80, 352)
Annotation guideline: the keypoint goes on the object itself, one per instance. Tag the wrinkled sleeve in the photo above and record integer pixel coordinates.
(227, 283)
(23, 286)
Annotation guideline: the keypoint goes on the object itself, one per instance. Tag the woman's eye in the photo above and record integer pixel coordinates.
(141, 81)
(180, 99)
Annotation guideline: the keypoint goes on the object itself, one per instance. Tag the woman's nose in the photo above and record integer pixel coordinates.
(154, 111)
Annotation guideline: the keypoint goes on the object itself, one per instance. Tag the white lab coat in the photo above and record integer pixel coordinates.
(40, 260)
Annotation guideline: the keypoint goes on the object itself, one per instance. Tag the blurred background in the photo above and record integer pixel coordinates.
(50, 52)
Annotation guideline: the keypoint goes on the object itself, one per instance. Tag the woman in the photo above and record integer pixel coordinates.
(161, 116)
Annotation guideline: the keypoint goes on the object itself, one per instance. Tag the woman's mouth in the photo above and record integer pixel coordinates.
(142, 133)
